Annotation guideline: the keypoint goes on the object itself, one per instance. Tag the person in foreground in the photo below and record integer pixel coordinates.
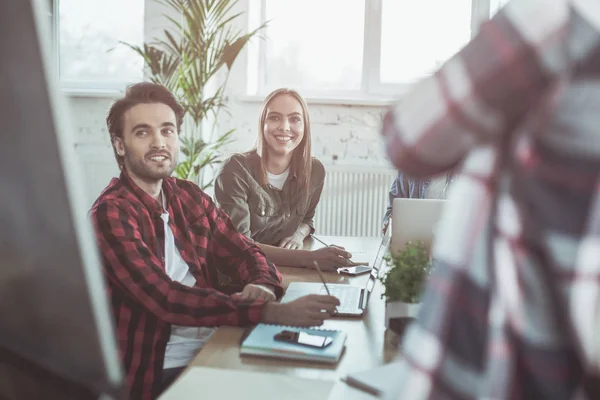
(512, 308)
(271, 192)
(404, 187)
(174, 263)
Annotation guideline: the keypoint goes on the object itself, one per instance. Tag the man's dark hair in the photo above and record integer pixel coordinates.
(140, 93)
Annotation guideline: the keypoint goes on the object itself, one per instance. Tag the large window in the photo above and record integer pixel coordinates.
(415, 40)
(90, 53)
(359, 48)
(315, 50)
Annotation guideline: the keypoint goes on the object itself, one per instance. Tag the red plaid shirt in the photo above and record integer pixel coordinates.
(512, 309)
(145, 301)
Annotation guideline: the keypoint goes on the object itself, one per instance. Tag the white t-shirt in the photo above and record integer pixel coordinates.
(185, 341)
(278, 180)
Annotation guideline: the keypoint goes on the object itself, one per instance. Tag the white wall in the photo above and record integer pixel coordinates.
(92, 143)
(348, 132)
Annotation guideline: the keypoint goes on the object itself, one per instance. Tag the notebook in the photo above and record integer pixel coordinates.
(260, 342)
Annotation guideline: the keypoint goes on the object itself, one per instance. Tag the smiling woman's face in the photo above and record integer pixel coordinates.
(283, 127)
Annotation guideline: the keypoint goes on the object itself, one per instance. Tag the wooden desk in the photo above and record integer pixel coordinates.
(365, 346)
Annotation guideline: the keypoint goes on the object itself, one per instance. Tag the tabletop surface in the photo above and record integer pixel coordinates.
(365, 346)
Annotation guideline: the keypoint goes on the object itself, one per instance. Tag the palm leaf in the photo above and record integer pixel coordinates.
(200, 41)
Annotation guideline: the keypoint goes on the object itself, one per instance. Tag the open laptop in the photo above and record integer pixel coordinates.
(415, 220)
(353, 299)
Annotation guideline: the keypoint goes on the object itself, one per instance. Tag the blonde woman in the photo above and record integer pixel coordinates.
(271, 192)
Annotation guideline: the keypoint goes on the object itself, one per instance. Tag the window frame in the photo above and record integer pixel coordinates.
(372, 88)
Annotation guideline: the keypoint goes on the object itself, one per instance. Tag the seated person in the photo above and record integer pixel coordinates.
(175, 265)
(407, 188)
(271, 192)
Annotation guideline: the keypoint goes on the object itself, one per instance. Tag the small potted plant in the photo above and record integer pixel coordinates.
(404, 282)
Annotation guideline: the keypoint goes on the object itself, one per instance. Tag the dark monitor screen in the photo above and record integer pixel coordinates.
(53, 305)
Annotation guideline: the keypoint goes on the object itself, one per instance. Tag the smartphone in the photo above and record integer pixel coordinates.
(304, 339)
(361, 269)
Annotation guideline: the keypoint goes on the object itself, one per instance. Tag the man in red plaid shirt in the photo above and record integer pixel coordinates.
(174, 263)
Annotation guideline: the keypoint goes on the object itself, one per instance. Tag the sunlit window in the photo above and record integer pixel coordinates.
(354, 48)
(314, 44)
(90, 32)
(418, 36)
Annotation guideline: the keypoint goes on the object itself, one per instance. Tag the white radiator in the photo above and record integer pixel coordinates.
(354, 201)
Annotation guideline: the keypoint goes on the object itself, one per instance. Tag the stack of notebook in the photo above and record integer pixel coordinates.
(261, 342)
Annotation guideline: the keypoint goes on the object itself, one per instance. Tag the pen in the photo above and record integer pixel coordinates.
(322, 277)
(319, 240)
(354, 264)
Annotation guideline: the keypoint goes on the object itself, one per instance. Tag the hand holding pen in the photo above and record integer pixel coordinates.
(335, 257)
(322, 277)
(316, 265)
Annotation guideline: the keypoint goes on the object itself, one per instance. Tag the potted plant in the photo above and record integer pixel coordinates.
(403, 282)
(198, 50)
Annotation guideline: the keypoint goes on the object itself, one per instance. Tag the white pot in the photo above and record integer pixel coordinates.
(399, 309)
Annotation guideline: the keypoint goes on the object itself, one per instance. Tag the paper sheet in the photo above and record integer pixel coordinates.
(381, 380)
(213, 383)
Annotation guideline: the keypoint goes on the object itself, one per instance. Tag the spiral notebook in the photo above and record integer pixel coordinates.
(260, 342)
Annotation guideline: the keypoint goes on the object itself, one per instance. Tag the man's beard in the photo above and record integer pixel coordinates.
(139, 168)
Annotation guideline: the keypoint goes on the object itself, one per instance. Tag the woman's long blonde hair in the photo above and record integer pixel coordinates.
(302, 158)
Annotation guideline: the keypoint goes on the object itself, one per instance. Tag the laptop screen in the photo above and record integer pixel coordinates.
(379, 258)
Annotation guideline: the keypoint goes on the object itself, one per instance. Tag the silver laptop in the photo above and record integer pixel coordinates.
(415, 220)
(353, 299)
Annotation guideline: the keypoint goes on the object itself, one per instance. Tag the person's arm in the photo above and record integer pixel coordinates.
(315, 197)
(235, 254)
(397, 190)
(329, 258)
(307, 226)
(132, 266)
(231, 194)
(481, 93)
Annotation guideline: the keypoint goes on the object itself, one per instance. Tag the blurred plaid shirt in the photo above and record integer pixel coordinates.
(145, 301)
(519, 110)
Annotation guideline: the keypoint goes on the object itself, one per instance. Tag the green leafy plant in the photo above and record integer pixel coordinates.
(407, 274)
(201, 42)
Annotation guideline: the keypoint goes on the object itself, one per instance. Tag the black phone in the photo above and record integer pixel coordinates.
(354, 270)
(304, 339)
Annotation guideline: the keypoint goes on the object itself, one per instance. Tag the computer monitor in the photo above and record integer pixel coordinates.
(54, 311)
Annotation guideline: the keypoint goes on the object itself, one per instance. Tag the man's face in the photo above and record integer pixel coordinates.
(150, 142)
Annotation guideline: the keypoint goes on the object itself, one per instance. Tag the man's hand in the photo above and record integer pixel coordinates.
(293, 242)
(257, 292)
(331, 258)
(309, 310)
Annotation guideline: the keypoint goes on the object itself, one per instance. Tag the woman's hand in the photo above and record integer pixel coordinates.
(331, 258)
(293, 242)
